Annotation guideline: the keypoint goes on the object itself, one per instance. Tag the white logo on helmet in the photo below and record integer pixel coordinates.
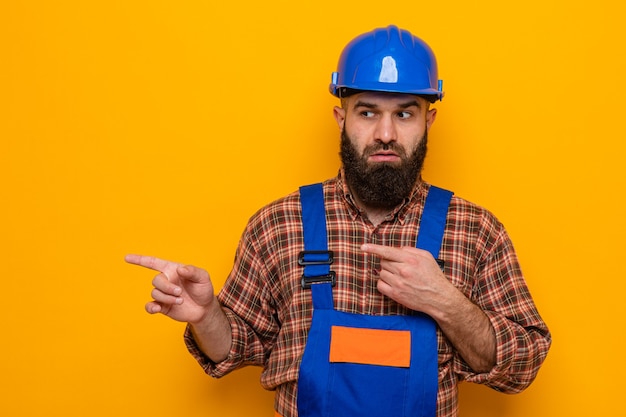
(389, 72)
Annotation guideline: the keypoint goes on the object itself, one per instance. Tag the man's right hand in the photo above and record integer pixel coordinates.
(181, 292)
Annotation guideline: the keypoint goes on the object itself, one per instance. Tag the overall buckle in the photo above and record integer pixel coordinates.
(320, 279)
(316, 258)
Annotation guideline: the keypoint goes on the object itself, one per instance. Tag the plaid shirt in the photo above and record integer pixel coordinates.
(270, 313)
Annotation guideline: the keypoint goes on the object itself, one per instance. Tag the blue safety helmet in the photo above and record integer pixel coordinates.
(387, 59)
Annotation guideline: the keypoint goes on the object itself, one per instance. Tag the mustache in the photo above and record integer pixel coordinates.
(391, 146)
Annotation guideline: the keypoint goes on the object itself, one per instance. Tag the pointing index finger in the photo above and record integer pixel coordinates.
(147, 262)
(385, 252)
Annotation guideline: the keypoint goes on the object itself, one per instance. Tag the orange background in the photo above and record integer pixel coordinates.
(160, 127)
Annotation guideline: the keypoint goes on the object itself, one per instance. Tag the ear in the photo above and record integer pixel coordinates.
(431, 115)
(340, 116)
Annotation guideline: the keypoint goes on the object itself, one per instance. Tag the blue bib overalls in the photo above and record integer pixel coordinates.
(360, 365)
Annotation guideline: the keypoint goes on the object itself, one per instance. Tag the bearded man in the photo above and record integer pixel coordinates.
(373, 293)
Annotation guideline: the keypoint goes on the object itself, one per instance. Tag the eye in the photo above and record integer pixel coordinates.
(367, 113)
(404, 114)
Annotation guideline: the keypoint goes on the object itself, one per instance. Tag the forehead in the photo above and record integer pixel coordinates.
(383, 99)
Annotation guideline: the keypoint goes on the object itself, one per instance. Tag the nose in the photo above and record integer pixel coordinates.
(385, 129)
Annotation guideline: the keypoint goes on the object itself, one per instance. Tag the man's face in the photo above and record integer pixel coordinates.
(383, 145)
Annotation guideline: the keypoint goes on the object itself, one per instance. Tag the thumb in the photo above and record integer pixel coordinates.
(193, 274)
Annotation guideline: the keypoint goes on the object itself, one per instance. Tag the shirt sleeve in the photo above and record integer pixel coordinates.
(522, 337)
(246, 302)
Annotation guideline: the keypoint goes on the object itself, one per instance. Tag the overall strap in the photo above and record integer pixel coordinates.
(316, 258)
(433, 221)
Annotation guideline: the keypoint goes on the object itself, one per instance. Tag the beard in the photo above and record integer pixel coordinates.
(382, 185)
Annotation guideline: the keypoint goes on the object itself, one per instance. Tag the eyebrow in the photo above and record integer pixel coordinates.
(404, 105)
